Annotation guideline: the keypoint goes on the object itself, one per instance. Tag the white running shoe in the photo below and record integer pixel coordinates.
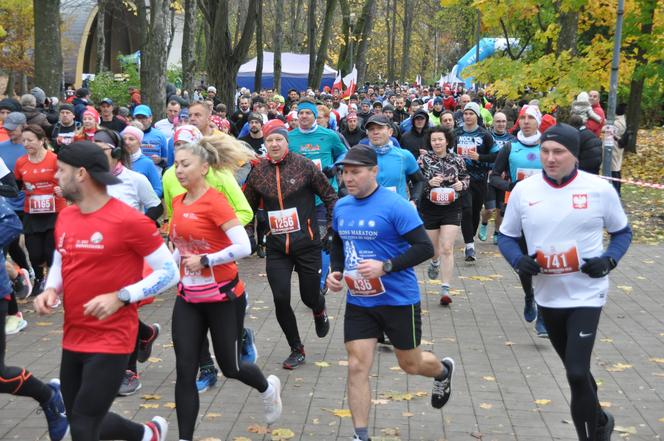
(159, 427)
(272, 403)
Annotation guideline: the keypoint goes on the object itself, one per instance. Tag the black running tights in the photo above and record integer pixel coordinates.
(526, 279)
(472, 202)
(572, 333)
(90, 383)
(279, 268)
(191, 322)
(15, 380)
(40, 249)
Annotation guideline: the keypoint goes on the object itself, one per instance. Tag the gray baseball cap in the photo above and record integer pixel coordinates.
(13, 120)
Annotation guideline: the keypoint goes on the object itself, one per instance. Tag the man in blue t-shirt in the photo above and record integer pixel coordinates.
(154, 144)
(12, 149)
(378, 238)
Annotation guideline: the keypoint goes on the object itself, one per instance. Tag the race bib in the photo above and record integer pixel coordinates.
(65, 138)
(284, 221)
(523, 173)
(465, 149)
(361, 287)
(42, 203)
(560, 258)
(196, 278)
(442, 196)
(318, 163)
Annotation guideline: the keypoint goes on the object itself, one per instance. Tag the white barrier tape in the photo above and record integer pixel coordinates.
(632, 182)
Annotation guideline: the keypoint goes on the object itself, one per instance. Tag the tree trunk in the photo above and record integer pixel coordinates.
(171, 32)
(259, 47)
(279, 18)
(365, 26)
(101, 35)
(9, 90)
(188, 48)
(569, 25)
(324, 41)
(23, 85)
(407, 32)
(224, 59)
(296, 35)
(342, 62)
(311, 41)
(633, 115)
(390, 49)
(154, 58)
(48, 49)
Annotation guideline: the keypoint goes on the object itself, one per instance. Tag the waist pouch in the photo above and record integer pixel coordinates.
(210, 293)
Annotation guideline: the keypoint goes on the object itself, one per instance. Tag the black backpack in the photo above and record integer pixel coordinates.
(624, 139)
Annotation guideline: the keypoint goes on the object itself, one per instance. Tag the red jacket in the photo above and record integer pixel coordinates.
(594, 126)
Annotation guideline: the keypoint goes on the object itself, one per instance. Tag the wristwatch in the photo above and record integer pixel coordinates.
(124, 296)
(205, 261)
(387, 266)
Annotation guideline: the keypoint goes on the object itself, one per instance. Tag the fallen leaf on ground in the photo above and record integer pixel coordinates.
(282, 434)
(341, 413)
(380, 401)
(214, 439)
(167, 345)
(631, 430)
(149, 406)
(395, 368)
(154, 359)
(212, 415)
(408, 414)
(148, 397)
(240, 438)
(489, 378)
(486, 406)
(661, 420)
(390, 431)
(169, 405)
(477, 435)
(435, 282)
(648, 261)
(426, 342)
(618, 367)
(658, 374)
(605, 403)
(657, 360)
(315, 421)
(542, 402)
(257, 428)
(625, 288)
(322, 364)
(343, 363)
(421, 393)
(606, 340)
(508, 343)
(43, 323)
(396, 396)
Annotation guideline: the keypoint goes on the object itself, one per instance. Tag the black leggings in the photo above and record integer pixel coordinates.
(279, 268)
(526, 279)
(472, 202)
(15, 380)
(17, 254)
(191, 322)
(572, 333)
(90, 383)
(40, 249)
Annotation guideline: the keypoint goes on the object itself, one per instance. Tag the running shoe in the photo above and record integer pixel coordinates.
(145, 346)
(206, 379)
(295, 359)
(442, 389)
(15, 324)
(260, 252)
(433, 270)
(322, 323)
(130, 384)
(604, 431)
(159, 427)
(249, 352)
(22, 286)
(495, 238)
(470, 254)
(445, 298)
(272, 402)
(530, 310)
(483, 233)
(540, 328)
(55, 413)
(357, 438)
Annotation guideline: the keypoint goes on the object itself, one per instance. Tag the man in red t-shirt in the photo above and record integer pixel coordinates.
(101, 244)
(595, 122)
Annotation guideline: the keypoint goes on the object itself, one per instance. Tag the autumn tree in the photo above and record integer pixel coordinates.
(48, 49)
(189, 45)
(154, 54)
(16, 17)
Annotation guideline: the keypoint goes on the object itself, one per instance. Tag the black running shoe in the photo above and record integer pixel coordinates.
(604, 431)
(442, 389)
(322, 323)
(145, 346)
(295, 359)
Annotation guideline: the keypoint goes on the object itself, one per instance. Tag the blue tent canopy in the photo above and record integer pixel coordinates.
(294, 73)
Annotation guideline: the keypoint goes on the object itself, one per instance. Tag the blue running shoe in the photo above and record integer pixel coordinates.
(249, 351)
(206, 379)
(54, 411)
(530, 310)
(540, 328)
(483, 232)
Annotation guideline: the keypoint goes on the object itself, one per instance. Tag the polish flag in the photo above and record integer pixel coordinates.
(350, 81)
(338, 85)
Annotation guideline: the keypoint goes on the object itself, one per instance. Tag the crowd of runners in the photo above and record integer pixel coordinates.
(348, 192)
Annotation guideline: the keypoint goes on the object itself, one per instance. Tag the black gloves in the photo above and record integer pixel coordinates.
(326, 241)
(597, 267)
(330, 171)
(527, 265)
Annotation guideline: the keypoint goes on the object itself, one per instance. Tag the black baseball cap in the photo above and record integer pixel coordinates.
(106, 101)
(360, 155)
(381, 120)
(91, 157)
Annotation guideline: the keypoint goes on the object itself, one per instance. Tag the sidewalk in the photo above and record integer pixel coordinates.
(508, 385)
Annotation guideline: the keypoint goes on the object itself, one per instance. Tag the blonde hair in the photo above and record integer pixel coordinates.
(221, 151)
(323, 110)
(136, 124)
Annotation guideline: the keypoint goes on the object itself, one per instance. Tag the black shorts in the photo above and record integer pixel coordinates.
(434, 216)
(401, 324)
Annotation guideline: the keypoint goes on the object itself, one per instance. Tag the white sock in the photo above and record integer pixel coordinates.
(269, 391)
(147, 434)
(470, 245)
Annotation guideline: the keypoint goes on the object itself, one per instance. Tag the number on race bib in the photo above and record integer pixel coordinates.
(464, 150)
(41, 204)
(442, 196)
(523, 173)
(361, 287)
(562, 258)
(284, 221)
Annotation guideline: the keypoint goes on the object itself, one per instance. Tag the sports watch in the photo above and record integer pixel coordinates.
(387, 266)
(124, 296)
(205, 261)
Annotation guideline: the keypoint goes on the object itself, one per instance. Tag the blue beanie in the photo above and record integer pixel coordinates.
(306, 105)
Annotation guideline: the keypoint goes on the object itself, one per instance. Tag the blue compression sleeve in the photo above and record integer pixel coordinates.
(619, 243)
(509, 247)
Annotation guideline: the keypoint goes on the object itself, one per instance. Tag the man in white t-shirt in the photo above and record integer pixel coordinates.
(562, 214)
